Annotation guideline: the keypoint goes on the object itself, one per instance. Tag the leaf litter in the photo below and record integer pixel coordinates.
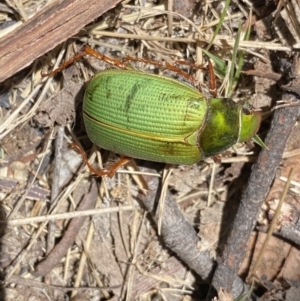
(125, 256)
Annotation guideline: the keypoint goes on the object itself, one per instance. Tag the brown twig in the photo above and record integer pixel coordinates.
(48, 28)
(177, 233)
(55, 184)
(290, 232)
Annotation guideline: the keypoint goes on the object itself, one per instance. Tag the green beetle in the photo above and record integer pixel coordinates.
(156, 118)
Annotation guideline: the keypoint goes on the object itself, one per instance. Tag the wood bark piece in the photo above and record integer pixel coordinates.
(48, 28)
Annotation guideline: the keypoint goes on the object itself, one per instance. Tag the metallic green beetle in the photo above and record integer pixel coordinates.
(159, 119)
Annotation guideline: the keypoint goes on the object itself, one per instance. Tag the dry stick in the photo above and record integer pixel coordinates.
(60, 250)
(55, 186)
(48, 28)
(290, 232)
(258, 186)
(66, 215)
(177, 233)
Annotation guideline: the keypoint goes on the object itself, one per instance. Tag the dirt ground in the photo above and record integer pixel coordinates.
(224, 228)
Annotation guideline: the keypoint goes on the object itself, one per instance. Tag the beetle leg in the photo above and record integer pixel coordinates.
(99, 172)
(64, 65)
(190, 64)
(100, 56)
(113, 168)
(217, 159)
(212, 79)
(86, 50)
(110, 172)
(164, 65)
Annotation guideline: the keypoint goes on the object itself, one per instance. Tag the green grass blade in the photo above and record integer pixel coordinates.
(258, 141)
(231, 80)
(220, 64)
(227, 3)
